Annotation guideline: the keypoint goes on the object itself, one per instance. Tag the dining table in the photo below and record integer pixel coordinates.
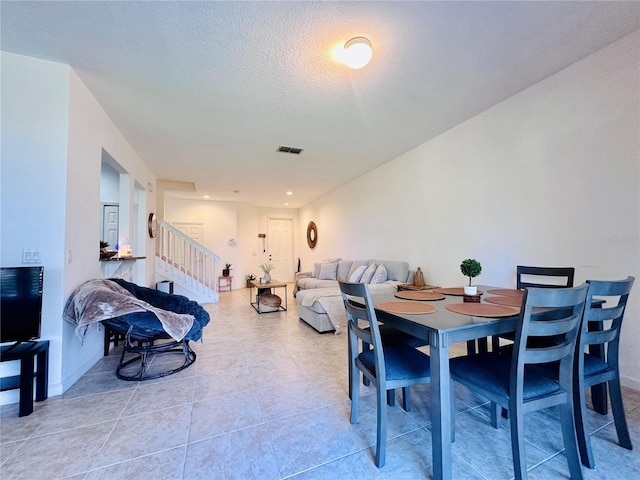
(443, 328)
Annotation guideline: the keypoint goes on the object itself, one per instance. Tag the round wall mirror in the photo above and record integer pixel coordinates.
(312, 234)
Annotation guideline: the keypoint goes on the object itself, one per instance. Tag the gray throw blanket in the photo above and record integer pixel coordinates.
(101, 299)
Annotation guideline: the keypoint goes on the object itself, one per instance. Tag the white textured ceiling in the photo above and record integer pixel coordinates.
(207, 91)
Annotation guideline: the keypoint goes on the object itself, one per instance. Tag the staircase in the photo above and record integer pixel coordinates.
(190, 266)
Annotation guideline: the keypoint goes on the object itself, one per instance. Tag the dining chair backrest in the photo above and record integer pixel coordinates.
(548, 277)
(362, 311)
(597, 362)
(596, 329)
(560, 330)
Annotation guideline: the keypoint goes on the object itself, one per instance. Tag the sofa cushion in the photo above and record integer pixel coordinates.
(357, 274)
(396, 270)
(328, 271)
(310, 282)
(380, 275)
(344, 267)
(368, 273)
(317, 266)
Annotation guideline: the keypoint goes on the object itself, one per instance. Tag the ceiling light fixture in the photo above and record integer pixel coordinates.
(357, 53)
(206, 196)
(289, 193)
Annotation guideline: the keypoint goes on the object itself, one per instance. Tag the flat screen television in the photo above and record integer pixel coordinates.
(20, 303)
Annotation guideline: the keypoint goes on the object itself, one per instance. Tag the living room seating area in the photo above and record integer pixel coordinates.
(268, 398)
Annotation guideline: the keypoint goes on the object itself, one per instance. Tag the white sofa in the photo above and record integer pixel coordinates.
(318, 295)
(327, 273)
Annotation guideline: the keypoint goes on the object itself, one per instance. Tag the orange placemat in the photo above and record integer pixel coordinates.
(419, 295)
(453, 291)
(507, 292)
(507, 301)
(482, 310)
(407, 307)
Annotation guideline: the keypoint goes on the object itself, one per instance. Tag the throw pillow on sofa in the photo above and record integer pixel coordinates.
(357, 274)
(316, 267)
(380, 275)
(368, 273)
(328, 271)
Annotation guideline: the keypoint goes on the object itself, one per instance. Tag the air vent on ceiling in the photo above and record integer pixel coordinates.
(294, 150)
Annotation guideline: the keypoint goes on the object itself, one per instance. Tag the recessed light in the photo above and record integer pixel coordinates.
(289, 193)
(206, 196)
(286, 204)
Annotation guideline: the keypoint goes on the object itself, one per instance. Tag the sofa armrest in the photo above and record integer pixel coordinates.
(303, 275)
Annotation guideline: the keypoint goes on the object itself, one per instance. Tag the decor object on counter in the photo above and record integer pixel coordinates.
(226, 270)
(470, 268)
(249, 278)
(104, 253)
(418, 278)
(312, 235)
(266, 268)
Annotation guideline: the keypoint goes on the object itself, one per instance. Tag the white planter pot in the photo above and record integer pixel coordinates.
(470, 290)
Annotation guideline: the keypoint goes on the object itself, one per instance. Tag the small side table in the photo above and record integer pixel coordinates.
(27, 352)
(263, 288)
(228, 281)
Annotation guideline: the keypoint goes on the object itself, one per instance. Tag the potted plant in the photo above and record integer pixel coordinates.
(470, 268)
(266, 268)
(104, 252)
(249, 278)
(227, 268)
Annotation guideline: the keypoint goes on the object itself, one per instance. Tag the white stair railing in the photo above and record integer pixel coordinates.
(185, 259)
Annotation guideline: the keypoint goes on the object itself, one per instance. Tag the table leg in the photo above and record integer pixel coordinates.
(26, 386)
(42, 375)
(440, 408)
(286, 301)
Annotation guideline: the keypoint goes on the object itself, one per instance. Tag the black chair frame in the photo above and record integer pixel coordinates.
(142, 345)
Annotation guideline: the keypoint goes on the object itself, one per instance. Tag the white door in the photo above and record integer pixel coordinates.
(280, 248)
(110, 215)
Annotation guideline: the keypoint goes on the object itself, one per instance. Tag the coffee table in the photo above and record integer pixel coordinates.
(266, 288)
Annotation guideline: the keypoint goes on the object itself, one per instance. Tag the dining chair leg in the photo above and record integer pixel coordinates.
(570, 443)
(351, 372)
(391, 397)
(619, 418)
(582, 434)
(381, 435)
(516, 419)
(355, 396)
(496, 414)
(406, 398)
(599, 398)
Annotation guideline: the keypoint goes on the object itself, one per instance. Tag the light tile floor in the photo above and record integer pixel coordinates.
(267, 399)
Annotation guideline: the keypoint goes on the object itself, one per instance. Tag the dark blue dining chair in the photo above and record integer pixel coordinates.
(597, 362)
(538, 277)
(386, 366)
(512, 379)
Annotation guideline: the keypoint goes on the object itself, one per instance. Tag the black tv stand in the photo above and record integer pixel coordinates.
(30, 354)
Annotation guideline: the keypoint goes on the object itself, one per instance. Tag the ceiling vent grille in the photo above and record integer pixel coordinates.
(294, 150)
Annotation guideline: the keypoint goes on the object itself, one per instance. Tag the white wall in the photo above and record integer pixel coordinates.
(548, 177)
(90, 132)
(222, 220)
(35, 98)
(53, 133)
